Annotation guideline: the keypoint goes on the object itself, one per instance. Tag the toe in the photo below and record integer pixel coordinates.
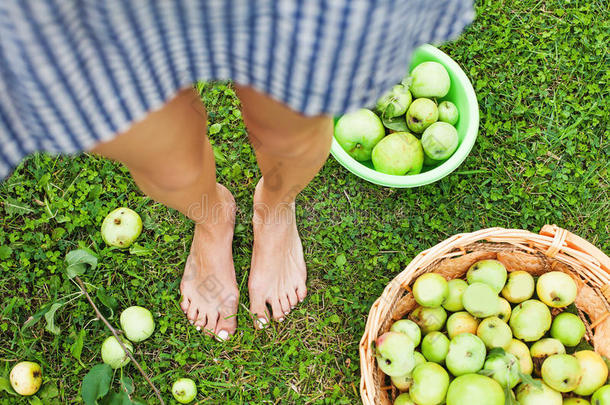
(285, 303)
(184, 305)
(191, 313)
(201, 321)
(301, 292)
(226, 326)
(258, 309)
(276, 309)
(210, 327)
(292, 298)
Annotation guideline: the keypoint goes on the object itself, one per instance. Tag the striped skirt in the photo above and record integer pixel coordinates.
(77, 72)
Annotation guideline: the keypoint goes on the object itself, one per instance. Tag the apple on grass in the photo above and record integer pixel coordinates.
(440, 140)
(448, 112)
(475, 389)
(503, 367)
(430, 383)
(522, 353)
(519, 287)
(481, 300)
(490, 272)
(404, 399)
(422, 113)
(121, 227)
(466, 354)
(494, 332)
(409, 328)
(430, 290)
(399, 153)
(561, 372)
(529, 394)
(430, 79)
(453, 302)
(429, 319)
(568, 329)
(544, 348)
(358, 132)
(435, 346)
(113, 354)
(594, 372)
(137, 323)
(26, 378)
(505, 310)
(601, 396)
(530, 320)
(394, 352)
(403, 382)
(461, 322)
(556, 289)
(184, 390)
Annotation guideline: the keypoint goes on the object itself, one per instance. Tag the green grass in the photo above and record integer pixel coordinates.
(541, 70)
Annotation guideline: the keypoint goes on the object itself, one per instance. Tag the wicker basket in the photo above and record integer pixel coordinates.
(553, 249)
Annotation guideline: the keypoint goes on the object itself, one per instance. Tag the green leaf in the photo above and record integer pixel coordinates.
(77, 347)
(48, 391)
(341, 260)
(5, 252)
(13, 206)
(139, 250)
(214, 128)
(31, 321)
(395, 123)
(34, 400)
(528, 379)
(78, 260)
(218, 156)
(116, 398)
(509, 397)
(109, 301)
(5, 385)
(496, 351)
(49, 316)
(127, 384)
(96, 383)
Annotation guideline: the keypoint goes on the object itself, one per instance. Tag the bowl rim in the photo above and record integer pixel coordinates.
(416, 180)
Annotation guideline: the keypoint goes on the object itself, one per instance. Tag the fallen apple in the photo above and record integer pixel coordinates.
(399, 153)
(394, 352)
(594, 372)
(530, 320)
(504, 368)
(358, 132)
(429, 319)
(113, 354)
(475, 389)
(430, 290)
(137, 323)
(184, 390)
(422, 113)
(430, 383)
(448, 112)
(561, 372)
(529, 394)
(494, 332)
(490, 272)
(440, 140)
(544, 348)
(519, 287)
(403, 382)
(461, 322)
(404, 399)
(466, 354)
(568, 329)
(409, 328)
(435, 346)
(505, 310)
(430, 79)
(395, 102)
(601, 396)
(26, 378)
(481, 300)
(522, 353)
(121, 227)
(556, 289)
(453, 302)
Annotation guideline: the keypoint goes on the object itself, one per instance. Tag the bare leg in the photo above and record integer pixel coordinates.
(171, 160)
(290, 150)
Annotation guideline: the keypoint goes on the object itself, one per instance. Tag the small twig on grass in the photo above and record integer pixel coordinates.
(116, 335)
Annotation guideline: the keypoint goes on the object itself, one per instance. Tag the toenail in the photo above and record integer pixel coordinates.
(261, 322)
(281, 320)
(223, 335)
(286, 313)
(198, 328)
(191, 321)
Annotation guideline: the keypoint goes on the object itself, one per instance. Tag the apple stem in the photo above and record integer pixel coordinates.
(81, 285)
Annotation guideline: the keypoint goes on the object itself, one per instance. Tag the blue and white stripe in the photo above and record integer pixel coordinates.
(77, 72)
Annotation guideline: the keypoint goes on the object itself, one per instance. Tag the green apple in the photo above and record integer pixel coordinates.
(494, 332)
(430, 79)
(404, 399)
(601, 396)
(422, 113)
(409, 328)
(184, 390)
(113, 354)
(435, 346)
(491, 272)
(394, 352)
(519, 287)
(430, 290)
(504, 368)
(594, 372)
(480, 300)
(466, 354)
(575, 401)
(530, 320)
(358, 132)
(522, 353)
(448, 112)
(568, 329)
(440, 140)
(475, 389)
(529, 394)
(121, 227)
(461, 322)
(403, 382)
(137, 323)
(430, 383)
(505, 310)
(429, 319)
(26, 378)
(453, 302)
(561, 372)
(399, 153)
(556, 289)
(544, 348)
(395, 102)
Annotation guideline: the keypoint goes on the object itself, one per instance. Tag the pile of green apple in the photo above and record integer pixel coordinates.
(487, 340)
(421, 132)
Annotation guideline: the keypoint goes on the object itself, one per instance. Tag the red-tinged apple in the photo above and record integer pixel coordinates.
(475, 389)
(530, 320)
(556, 289)
(491, 272)
(26, 378)
(430, 290)
(430, 383)
(461, 322)
(594, 372)
(466, 354)
(519, 287)
(409, 328)
(429, 319)
(453, 302)
(561, 372)
(394, 352)
(568, 329)
(481, 300)
(528, 394)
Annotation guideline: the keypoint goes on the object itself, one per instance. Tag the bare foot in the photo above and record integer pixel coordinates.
(277, 272)
(209, 289)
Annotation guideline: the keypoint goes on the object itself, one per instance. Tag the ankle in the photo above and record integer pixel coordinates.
(215, 208)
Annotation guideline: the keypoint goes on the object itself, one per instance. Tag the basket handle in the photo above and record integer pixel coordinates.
(574, 242)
